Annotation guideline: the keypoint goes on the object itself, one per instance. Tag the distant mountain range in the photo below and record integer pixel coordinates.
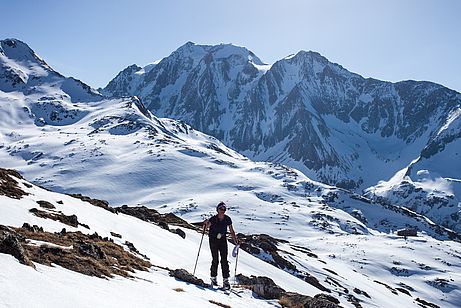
(308, 113)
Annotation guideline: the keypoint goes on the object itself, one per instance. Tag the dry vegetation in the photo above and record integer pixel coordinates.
(8, 186)
(87, 254)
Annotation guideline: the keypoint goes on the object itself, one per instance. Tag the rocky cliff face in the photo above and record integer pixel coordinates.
(303, 110)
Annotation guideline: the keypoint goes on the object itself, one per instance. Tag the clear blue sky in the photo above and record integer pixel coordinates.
(393, 40)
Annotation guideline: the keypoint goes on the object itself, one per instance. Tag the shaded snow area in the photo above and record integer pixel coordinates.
(431, 184)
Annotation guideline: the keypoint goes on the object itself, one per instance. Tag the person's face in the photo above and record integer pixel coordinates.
(221, 210)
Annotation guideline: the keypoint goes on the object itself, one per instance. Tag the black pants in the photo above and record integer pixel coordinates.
(219, 246)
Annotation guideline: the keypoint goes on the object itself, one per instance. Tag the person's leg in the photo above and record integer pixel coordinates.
(215, 258)
(224, 263)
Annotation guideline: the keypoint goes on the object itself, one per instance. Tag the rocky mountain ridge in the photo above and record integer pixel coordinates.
(308, 113)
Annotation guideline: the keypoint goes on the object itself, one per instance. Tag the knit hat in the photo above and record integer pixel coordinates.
(221, 205)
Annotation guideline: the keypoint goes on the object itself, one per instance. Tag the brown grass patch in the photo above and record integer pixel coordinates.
(8, 186)
(87, 254)
(179, 289)
(70, 220)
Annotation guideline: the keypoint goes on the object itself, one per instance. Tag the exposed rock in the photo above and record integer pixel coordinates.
(46, 204)
(92, 250)
(394, 291)
(33, 228)
(10, 243)
(315, 282)
(179, 232)
(265, 288)
(184, 275)
(219, 304)
(134, 250)
(327, 298)
(295, 300)
(403, 291)
(70, 220)
(407, 232)
(115, 234)
(358, 291)
(163, 225)
(254, 243)
(153, 216)
(262, 286)
(99, 203)
(8, 186)
(424, 303)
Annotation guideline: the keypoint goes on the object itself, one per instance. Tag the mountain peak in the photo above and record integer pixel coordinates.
(18, 50)
(220, 51)
(312, 56)
(192, 50)
(227, 50)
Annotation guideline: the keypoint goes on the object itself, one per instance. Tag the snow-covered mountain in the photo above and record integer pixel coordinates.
(306, 112)
(330, 240)
(21, 70)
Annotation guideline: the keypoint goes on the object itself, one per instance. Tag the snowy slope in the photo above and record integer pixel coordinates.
(341, 262)
(115, 149)
(431, 184)
(58, 287)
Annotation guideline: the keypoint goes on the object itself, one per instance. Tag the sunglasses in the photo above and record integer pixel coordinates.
(222, 209)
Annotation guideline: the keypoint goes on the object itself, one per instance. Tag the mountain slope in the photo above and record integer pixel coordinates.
(24, 71)
(303, 111)
(58, 286)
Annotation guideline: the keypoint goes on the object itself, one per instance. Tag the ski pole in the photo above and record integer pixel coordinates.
(235, 270)
(203, 234)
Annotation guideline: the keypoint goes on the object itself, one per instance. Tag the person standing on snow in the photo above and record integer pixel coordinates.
(218, 225)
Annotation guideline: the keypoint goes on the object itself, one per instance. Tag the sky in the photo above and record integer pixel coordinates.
(390, 40)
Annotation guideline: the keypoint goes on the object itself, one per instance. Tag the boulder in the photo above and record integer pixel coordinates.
(291, 299)
(91, 250)
(263, 286)
(407, 232)
(179, 232)
(10, 243)
(45, 204)
(183, 275)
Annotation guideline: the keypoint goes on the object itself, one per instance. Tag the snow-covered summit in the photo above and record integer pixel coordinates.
(19, 51)
(221, 51)
(21, 69)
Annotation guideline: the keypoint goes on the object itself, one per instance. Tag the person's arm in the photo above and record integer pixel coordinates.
(231, 229)
(206, 225)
